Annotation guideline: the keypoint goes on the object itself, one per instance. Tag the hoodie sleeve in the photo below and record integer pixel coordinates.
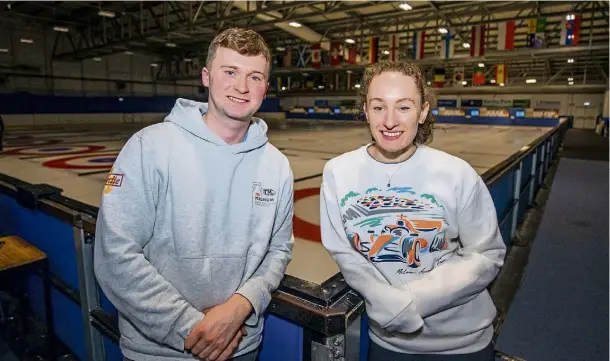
(389, 306)
(124, 226)
(474, 266)
(269, 274)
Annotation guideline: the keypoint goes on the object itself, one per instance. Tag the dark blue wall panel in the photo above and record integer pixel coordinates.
(282, 340)
(112, 350)
(502, 194)
(322, 116)
(56, 239)
(524, 201)
(526, 170)
(537, 122)
(49, 234)
(505, 228)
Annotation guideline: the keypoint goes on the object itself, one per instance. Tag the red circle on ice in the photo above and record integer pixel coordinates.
(301, 227)
(101, 161)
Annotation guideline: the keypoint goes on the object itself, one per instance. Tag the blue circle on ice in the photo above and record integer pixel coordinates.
(102, 160)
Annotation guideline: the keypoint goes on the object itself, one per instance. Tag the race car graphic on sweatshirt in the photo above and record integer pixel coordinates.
(396, 225)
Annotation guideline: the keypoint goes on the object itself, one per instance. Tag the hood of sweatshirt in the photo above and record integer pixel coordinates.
(187, 114)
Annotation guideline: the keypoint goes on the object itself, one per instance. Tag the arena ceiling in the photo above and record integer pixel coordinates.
(182, 30)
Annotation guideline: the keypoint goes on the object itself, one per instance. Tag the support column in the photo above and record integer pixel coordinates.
(94, 342)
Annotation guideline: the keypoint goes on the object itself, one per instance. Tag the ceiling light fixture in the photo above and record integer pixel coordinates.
(106, 13)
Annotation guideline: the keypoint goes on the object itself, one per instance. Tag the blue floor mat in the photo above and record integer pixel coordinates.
(561, 310)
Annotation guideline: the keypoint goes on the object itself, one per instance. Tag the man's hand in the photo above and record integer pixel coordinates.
(219, 332)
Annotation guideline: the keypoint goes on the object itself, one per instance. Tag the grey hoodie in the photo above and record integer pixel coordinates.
(185, 222)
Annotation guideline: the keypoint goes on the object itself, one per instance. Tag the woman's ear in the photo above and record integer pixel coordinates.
(424, 113)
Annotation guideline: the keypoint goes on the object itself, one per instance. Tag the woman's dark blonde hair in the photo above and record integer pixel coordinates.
(244, 41)
(425, 130)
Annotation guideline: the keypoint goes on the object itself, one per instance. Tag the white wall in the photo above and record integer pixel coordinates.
(135, 69)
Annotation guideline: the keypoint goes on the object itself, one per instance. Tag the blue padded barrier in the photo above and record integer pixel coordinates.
(283, 340)
(535, 122)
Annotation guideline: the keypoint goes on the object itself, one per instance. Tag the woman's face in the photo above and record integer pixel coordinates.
(393, 110)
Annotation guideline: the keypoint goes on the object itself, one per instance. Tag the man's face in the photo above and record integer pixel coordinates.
(237, 83)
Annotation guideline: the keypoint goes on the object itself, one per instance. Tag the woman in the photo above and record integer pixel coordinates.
(413, 229)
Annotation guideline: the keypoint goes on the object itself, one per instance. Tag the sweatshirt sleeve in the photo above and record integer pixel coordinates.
(389, 306)
(124, 226)
(475, 264)
(269, 274)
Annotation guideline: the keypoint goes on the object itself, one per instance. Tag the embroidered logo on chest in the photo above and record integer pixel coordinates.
(263, 196)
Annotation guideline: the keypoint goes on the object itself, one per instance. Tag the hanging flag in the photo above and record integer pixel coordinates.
(535, 32)
(506, 35)
(393, 43)
(477, 41)
(419, 39)
(501, 74)
(570, 30)
(478, 78)
(458, 76)
(335, 53)
(531, 32)
(302, 51)
(315, 56)
(373, 49)
(288, 58)
(439, 77)
(447, 46)
(352, 55)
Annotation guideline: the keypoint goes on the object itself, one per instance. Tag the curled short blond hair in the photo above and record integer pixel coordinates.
(425, 130)
(244, 41)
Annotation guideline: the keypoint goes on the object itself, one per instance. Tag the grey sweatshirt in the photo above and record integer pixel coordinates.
(185, 222)
(420, 242)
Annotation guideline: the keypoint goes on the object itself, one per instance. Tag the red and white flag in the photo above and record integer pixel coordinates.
(394, 43)
(335, 53)
(506, 35)
(315, 55)
(477, 41)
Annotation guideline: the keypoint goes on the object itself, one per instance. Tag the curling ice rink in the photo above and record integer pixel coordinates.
(77, 160)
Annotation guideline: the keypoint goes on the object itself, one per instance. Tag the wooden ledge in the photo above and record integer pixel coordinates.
(16, 252)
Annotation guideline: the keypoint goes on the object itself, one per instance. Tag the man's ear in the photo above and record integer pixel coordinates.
(205, 77)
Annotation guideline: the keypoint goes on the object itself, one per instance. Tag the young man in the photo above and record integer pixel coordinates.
(195, 224)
